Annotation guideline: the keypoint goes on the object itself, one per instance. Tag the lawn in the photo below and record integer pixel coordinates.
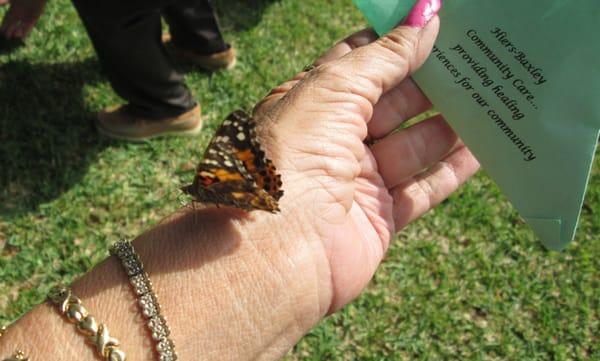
(468, 281)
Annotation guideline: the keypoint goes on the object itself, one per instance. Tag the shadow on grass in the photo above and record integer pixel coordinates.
(46, 136)
(235, 15)
(8, 46)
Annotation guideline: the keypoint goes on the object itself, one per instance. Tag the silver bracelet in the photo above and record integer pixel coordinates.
(147, 300)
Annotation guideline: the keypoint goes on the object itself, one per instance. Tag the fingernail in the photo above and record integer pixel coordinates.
(422, 13)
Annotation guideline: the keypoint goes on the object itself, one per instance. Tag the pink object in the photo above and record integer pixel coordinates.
(422, 13)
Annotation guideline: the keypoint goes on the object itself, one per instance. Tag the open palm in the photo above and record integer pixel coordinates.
(317, 128)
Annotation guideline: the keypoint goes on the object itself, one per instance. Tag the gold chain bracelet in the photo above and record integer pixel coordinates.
(70, 306)
(18, 355)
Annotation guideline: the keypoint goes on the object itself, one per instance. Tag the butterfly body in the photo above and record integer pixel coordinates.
(235, 171)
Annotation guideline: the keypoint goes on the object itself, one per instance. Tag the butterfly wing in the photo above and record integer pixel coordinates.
(221, 178)
(256, 162)
(235, 171)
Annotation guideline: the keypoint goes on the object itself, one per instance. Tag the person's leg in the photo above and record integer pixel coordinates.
(194, 27)
(127, 39)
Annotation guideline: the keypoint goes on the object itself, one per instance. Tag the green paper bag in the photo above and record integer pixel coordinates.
(520, 83)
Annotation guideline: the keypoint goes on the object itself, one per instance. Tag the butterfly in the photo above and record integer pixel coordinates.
(235, 171)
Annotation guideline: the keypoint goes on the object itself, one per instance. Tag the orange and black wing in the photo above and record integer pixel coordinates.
(234, 171)
(242, 128)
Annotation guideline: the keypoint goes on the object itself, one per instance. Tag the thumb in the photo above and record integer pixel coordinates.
(361, 66)
(352, 84)
(372, 70)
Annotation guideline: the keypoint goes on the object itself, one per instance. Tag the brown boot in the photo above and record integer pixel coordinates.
(116, 122)
(213, 62)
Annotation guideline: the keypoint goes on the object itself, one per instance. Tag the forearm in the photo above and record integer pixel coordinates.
(229, 289)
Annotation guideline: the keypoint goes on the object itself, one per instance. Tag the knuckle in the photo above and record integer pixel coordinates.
(451, 173)
(401, 42)
(418, 149)
(327, 79)
(427, 190)
(326, 71)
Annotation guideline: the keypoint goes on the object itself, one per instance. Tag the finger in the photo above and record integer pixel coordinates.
(380, 65)
(403, 154)
(3, 2)
(345, 46)
(342, 48)
(372, 70)
(396, 106)
(423, 192)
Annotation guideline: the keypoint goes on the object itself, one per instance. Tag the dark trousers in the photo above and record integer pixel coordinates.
(127, 37)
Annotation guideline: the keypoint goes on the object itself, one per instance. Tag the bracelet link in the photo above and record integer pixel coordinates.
(97, 334)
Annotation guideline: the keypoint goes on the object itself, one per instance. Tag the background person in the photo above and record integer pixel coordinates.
(127, 36)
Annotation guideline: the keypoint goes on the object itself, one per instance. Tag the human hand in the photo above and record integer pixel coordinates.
(21, 17)
(354, 197)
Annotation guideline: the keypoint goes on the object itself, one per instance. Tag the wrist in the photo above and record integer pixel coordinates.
(219, 277)
(223, 276)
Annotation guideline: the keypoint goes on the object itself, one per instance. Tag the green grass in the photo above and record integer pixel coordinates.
(468, 281)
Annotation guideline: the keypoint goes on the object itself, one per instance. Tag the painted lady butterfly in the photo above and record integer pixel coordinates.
(235, 171)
